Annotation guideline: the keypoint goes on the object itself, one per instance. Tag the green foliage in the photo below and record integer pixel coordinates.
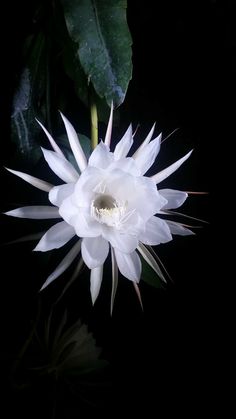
(100, 34)
(81, 44)
(29, 98)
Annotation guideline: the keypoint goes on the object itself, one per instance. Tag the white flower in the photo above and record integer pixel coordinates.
(107, 204)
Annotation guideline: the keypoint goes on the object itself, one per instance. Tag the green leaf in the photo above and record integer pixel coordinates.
(102, 39)
(28, 99)
(149, 276)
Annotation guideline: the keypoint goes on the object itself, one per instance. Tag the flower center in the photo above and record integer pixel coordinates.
(107, 210)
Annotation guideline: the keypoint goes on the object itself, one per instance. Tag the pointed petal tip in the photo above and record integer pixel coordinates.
(42, 126)
(109, 127)
(163, 174)
(111, 310)
(43, 286)
(37, 249)
(62, 115)
(10, 213)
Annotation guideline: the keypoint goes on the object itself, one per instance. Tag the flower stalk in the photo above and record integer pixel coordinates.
(94, 124)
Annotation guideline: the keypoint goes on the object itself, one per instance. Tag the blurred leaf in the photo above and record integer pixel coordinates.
(149, 276)
(102, 39)
(28, 98)
(70, 350)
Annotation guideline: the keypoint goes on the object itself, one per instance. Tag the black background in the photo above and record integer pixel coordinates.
(168, 356)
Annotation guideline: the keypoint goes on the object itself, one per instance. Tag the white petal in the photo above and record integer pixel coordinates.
(86, 226)
(79, 218)
(60, 166)
(61, 192)
(177, 228)
(107, 140)
(145, 142)
(101, 157)
(151, 261)
(156, 232)
(75, 144)
(124, 145)
(95, 282)
(114, 278)
(51, 140)
(68, 210)
(129, 265)
(65, 263)
(55, 237)
(175, 198)
(126, 243)
(35, 212)
(94, 251)
(140, 193)
(159, 177)
(89, 182)
(38, 183)
(126, 164)
(147, 156)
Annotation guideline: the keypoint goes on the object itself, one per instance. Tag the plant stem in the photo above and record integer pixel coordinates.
(94, 124)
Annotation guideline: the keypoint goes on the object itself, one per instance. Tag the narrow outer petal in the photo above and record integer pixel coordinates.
(145, 142)
(55, 237)
(109, 128)
(138, 293)
(159, 177)
(51, 140)
(63, 265)
(95, 282)
(75, 144)
(37, 183)
(94, 251)
(39, 212)
(151, 261)
(129, 265)
(178, 228)
(124, 145)
(60, 166)
(114, 278)
(145, 159)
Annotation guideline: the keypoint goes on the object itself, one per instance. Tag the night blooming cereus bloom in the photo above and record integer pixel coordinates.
(109, 204)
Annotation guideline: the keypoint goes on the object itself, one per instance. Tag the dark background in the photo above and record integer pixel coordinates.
(168, 356)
